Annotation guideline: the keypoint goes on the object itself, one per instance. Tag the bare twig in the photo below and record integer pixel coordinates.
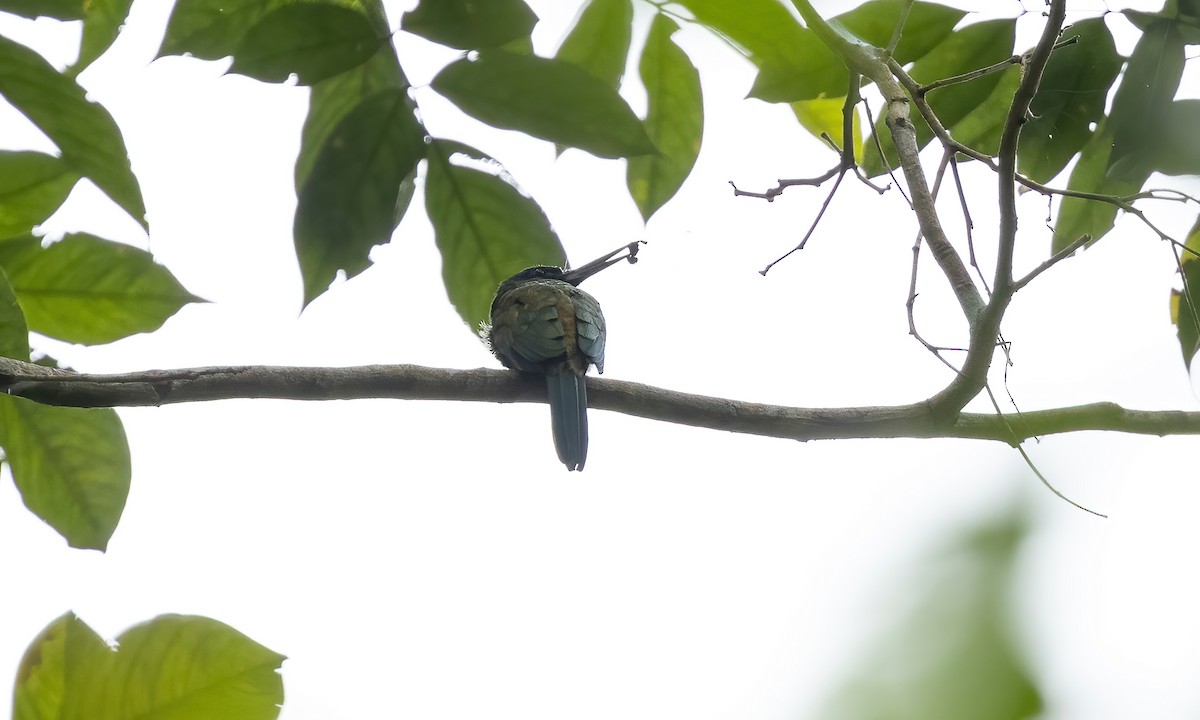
(811, 228)
(970, 224)
(993, 68)
(770, 194)
(1058, 257)
(883, 158)
(898, 31)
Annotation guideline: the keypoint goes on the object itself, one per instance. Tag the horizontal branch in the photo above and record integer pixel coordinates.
(413, 382)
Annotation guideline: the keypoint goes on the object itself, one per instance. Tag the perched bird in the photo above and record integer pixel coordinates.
(543, 323)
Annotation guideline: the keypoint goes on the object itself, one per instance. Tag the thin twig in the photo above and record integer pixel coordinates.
(1029, 460)
(883, 157)
(970, 224)
(898, 31)
(912, 282)
(1058, 257)
(811, 228)
(993, 68)
(770, 194)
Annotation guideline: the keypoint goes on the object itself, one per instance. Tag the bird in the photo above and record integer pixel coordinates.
(542, 323)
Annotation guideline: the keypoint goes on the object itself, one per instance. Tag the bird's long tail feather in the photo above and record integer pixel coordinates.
(568, 414)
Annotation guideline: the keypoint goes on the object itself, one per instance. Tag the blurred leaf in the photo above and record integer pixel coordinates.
(101, 25)
(1185, 303)
(210, 29)
(970, 48)
(52, 665)
(983, 126)
(313, 40)
(332, 100)
(951, 656)
(1145, 93)
(32, 187)
(486, 229)
(927, 26)
(1178, 145)
(348, 203)
(87, 135)
(468, 24)
(548, 99)
(674, 120)
(174, 667)
(84, 289)
(1071, 97)
(599, 41)
(71, 466)
(14, 333)
(59, 9)
(1095, 173)
(824, 116)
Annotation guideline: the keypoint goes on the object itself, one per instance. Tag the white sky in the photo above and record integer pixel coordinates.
(434, 560)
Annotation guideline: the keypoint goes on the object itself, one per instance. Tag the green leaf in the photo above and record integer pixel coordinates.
(348, 203)
(87, 135)
(1070, 98)
(793, 64)
(486, 229)
(174, 667)
(32, 187)
(674, 120)
(84, 289)
(59, 9)
(468, 24)
(599, 41)
(1178, 145)
(1096, 172)
(1142, 100)
(71, 466)
(210, 29)
(101, 25)
(970, 48)
(52, 664)
(14, 333)
(313, 40)
(952, 654)
(824, 117)
(927, 26)
(1185, 304)
(983, 126)
(332, 100)
(548, 99)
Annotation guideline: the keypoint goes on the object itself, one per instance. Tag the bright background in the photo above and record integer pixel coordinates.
(434, 560)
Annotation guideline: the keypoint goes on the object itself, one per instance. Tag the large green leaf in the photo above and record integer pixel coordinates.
(84, 289)
(927, 25)
(1144, 97)
(1178, 145)
(210, 29)
(674, 120)
(71, 466)
(486, 229)
(1096, 172)
(332, 100)
(101, 25)
(1185, 303)
(1070, 99)
(60, 9)
(951, 654)
(87, 135)
(348, 203)
(549, 99)
(312, 40)
(599, 41)
(969, 48)
(32, 187)
(175, 667)
(792, 63)
(470, 25)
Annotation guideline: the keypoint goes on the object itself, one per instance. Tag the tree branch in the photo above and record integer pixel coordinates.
(414, 382)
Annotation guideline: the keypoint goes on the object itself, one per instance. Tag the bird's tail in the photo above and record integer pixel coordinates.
(568, 414)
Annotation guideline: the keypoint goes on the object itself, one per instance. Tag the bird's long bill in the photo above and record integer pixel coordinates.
(625, 252)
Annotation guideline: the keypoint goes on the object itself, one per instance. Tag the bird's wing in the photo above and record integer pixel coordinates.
(589, 328)
(528, 335)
